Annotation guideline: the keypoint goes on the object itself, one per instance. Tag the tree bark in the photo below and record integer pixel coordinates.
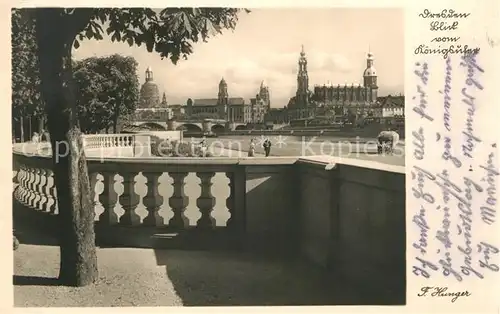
(115, 124)
(21, 123)
(78, 261)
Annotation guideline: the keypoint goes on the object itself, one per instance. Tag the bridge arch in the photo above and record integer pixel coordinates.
(241, 127)
(218, 128)
(189, 127)
(153, 126)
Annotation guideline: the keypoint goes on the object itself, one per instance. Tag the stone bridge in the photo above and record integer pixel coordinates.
(211, 125)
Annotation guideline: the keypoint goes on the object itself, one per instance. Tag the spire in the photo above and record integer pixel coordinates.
(149, 74)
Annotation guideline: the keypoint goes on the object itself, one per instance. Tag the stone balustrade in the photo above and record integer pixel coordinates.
(345, 215)
(108, 140)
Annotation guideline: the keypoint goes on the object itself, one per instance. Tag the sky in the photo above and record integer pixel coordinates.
(265, 46)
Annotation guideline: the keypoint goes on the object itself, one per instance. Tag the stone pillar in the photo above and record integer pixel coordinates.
(206, 201)
(108, 199)
(153, 200)
(129, 200)
(142, 145)
(179, 201)
(206, 126)
(171, 125)
(230, 126)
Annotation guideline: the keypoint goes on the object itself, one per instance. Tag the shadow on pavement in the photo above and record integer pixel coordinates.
(228, 279)
(35, 281)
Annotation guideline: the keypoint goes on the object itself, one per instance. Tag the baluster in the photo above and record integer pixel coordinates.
(206, 201)
(26, 177)
(41, 204)
(230, 199)
(153, 200)
(31, 184)
(53, 194)
(36, 186)
(21, 176)
(179, 201)
(129, 200)
(108, 199)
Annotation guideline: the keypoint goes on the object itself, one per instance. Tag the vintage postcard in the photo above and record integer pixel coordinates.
(190, 154)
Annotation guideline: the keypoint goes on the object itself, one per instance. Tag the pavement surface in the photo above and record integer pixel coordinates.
(147, 277)
(365, 149)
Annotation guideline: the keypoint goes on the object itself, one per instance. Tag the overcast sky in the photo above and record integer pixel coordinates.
(265, 46)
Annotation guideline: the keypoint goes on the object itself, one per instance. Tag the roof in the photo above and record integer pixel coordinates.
(394, 101)
(214, 101)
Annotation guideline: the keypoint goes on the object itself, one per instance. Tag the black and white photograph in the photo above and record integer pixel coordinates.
(194, 156)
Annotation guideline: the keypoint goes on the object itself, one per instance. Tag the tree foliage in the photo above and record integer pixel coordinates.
(106, 88)
(26, 96)
(170, 32)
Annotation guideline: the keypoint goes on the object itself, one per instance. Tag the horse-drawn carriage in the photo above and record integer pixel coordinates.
(387, 141)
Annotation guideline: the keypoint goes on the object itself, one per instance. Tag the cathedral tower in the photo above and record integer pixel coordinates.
(222, 99)
(302, 95)
(370, 74)
(264, 94)
(164, 100)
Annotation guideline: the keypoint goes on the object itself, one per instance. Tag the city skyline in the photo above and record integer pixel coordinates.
(258, 50)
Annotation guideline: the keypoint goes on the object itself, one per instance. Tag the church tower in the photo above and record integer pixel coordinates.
(264, 94)
(149, 74)
(302, 95)
(222, 99)
(149, 95)
(370, 74)
(370, 79)
(164, 100)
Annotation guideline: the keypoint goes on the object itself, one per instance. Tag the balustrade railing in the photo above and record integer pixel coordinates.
(278, 203)
(122, 187)
(109, 140)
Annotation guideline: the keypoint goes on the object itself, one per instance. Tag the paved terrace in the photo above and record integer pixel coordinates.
(296, 237)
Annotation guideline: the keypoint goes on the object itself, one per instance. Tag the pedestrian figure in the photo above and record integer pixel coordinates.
(251, 149)
(35, 138)
(267, 147)
(203, 146)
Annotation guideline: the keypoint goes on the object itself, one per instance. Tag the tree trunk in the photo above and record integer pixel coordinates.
(40, 125)
(78, 261)
(115, 124)
(30, 134)
(21, 123)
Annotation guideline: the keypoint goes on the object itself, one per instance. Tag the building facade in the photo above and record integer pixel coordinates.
(232, 109)
(352, 99)
(390, 107)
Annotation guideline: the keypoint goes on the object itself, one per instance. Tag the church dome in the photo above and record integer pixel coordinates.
(150, 94)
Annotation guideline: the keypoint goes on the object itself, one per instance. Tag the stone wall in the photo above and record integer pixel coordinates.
(352, 222)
